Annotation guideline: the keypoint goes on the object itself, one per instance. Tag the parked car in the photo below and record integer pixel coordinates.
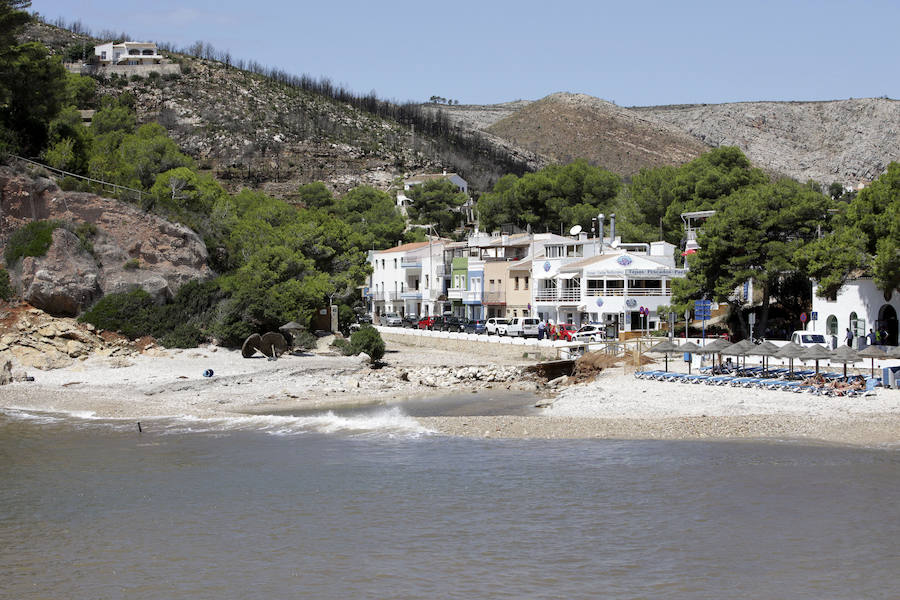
(520, 327)
(426, 323)
(410, 321)
(589, 333)
(474, 326)
(564, 331)
(450, 323)
(364, 318)
(391, 320)
(491, 325)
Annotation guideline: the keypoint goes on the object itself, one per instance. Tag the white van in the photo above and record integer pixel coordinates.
(520, 327)
(808, 338)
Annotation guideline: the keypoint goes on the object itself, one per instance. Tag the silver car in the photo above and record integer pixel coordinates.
(391, 320)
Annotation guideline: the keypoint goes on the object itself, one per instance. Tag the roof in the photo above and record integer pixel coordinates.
(405, 247)
(431, 176)
(587, 262)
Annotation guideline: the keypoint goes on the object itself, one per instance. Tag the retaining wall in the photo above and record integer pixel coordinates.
(482, 345)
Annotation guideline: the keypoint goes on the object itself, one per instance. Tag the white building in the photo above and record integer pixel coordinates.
(610, 288)
(409, 279)
(858, 306)
(127, 53)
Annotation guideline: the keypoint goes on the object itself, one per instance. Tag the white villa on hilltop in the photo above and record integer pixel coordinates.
(127, 53)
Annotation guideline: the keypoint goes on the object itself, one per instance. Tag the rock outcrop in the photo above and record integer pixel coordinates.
(131, 248)
(34, 339)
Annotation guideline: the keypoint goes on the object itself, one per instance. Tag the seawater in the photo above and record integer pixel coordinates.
(370, 505)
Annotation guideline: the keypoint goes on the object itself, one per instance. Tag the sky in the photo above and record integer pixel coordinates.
(636, 53)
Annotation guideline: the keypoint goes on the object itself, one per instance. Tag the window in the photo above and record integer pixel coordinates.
(395, 263)
(516, 284)
(382, 263)
(526, 283)
(594, 287)
(554, 251)
(103, 55)
(831, 326)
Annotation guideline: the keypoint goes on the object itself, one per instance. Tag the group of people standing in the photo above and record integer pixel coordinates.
(873, 338)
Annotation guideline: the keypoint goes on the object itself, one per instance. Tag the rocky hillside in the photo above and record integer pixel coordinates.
(564, 127)
(254, 131)
(127, 247)
(847, 141)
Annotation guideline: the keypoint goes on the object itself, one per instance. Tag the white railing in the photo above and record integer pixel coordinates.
(570, 295)
(548, 295)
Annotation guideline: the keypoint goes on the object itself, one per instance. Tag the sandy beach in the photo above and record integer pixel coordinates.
(615, 405)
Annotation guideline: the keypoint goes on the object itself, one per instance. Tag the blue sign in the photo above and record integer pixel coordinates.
(599, 301)
(624, 260)
(813, 316)
(631, 303)
(547, 266)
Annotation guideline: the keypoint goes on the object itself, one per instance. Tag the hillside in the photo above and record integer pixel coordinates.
(252, 130)
(564, 127)
(848, 141)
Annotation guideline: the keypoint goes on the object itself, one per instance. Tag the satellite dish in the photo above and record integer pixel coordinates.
(576, 229)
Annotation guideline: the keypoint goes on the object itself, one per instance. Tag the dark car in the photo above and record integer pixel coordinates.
(364, 318)
(450, 323)
(410, 321)
(426, 323)
(474, 326)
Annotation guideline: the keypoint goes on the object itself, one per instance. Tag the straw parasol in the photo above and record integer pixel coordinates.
(816, 352)
(872, 352)
(665, 347)
(742, 348)
(845, 354)
(715, 347)
(765, 349)
(790, 351)
(690, 348)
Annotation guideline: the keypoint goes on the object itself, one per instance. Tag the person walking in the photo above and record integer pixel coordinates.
(849, 337)
(541, 329)
(871, 338)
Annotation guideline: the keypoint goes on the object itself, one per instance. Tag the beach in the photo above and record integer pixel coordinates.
(615, 405)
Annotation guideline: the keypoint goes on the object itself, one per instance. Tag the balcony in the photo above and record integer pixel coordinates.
(383, 296)
(495, 297)
(456, 293)
(545, 295)
(471, 296)
(410, 263)
(411, 295)
(570, 295)
(649, 292)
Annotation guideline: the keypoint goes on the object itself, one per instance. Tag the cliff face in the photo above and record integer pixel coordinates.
(131, 248)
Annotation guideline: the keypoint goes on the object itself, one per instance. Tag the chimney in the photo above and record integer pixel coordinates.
(601, 223)
(612, 228)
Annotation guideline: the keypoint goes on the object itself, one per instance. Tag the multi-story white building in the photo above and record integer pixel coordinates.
(858, 306)
(409, 279)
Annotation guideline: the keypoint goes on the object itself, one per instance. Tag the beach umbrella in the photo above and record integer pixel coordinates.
(872, 352)
(742, 348)
(690, 348)
(895, 353)
(250, 345)
(715, 347)
(665, 347)
(790, 351)
(845, 354)
(765, 349)
(816, 352)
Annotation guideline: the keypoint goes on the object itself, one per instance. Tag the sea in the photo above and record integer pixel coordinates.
(368, 504)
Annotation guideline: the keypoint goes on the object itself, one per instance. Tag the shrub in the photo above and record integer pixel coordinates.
(131, 264)
(132, 314)
(184, 335)
(6, 290)
(85, 233)
(304, 339)
(367, 340)
(33, 239)
(342, 345)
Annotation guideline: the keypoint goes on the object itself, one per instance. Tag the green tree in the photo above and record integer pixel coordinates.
(756, 233)
(865, 239)
(113, 115)
(554, 198)
(436, 202)
(81, 91)
(32, 91)
(315, 195)
(70, 142)
(373, 214)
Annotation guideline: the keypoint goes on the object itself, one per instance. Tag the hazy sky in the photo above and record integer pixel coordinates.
(632, 53)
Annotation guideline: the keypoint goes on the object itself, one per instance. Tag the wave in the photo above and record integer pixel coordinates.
(391, 422)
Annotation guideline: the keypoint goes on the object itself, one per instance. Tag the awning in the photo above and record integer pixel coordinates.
(566, 275)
